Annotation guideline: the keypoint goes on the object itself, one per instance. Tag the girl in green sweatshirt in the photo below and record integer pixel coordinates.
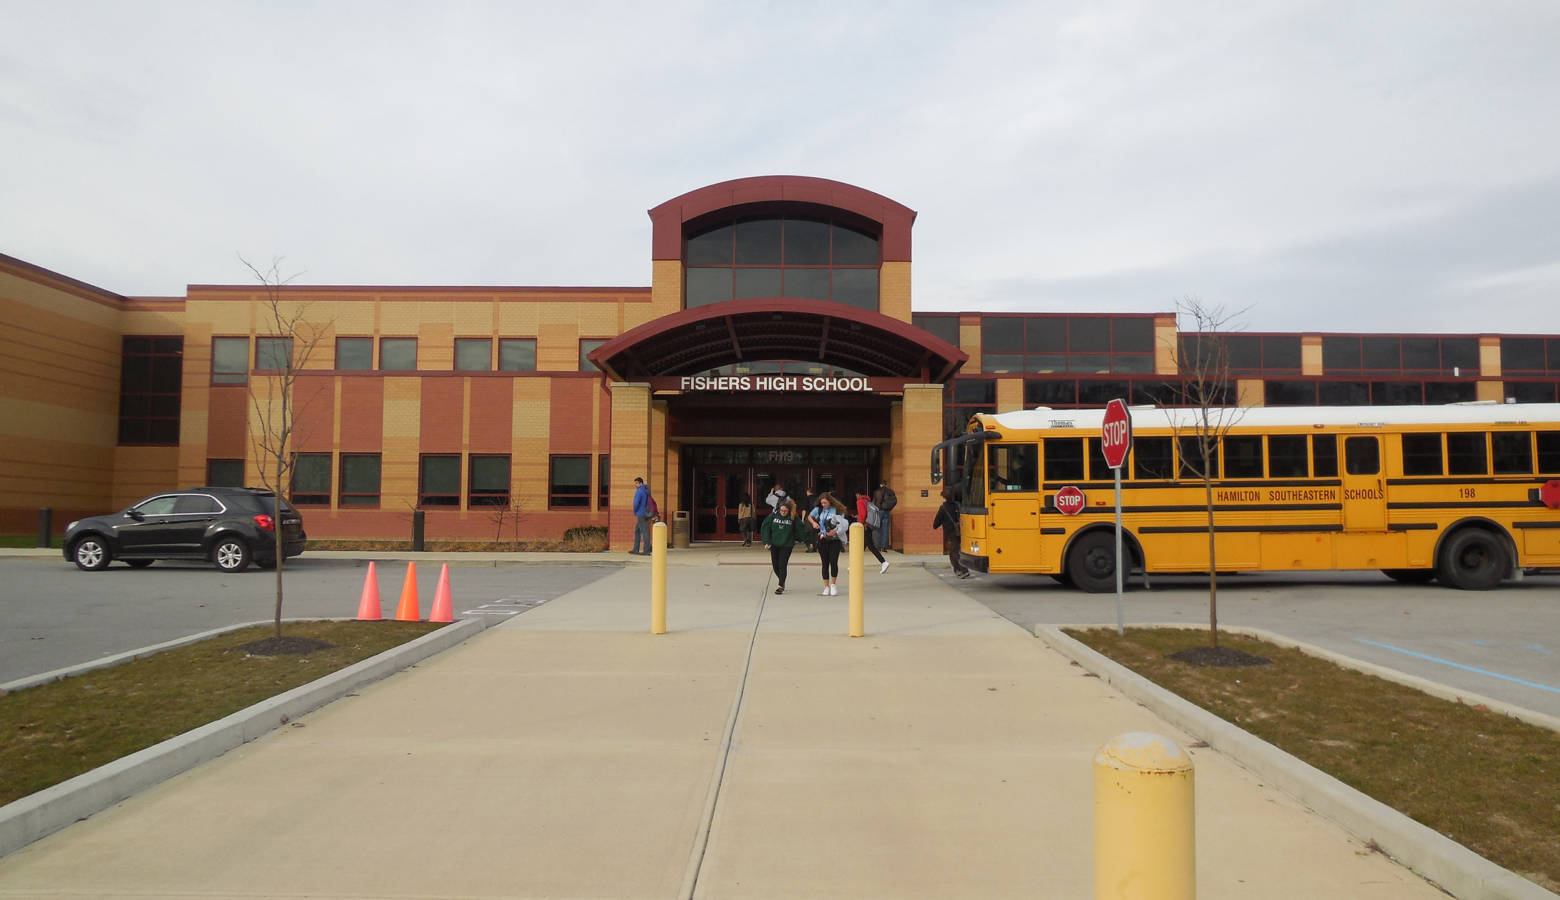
(779, 533)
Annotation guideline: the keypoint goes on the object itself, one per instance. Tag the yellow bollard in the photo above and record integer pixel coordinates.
(658, 578)
(1144, 825)
(857, 614)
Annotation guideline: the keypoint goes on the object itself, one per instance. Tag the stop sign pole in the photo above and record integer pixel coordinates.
(1115, 442)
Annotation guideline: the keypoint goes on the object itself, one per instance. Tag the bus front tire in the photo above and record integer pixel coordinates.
(1473, 560)
(1091, 564)
(1410, 576)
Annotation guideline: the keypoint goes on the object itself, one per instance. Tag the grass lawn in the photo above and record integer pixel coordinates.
(1487, 781)
(56, 731)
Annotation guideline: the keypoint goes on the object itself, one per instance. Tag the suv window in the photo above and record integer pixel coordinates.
(157, 506)
(197, 503)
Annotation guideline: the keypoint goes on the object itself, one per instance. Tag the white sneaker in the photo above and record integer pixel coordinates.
(883, 568)
(834, 590)
(824, 592)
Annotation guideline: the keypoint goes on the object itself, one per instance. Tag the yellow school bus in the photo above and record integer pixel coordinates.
(1466, 494)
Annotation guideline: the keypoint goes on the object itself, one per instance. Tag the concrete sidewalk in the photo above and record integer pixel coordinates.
(569, 753)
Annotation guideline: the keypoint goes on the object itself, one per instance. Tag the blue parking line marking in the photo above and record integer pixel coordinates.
(1447, 662)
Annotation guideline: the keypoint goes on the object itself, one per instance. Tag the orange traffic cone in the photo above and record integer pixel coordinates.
(368, 607)
(407, 611)
(442, 605)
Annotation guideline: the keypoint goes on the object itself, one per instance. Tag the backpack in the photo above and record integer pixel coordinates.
(874, 515)
(651, 509)
(890, 500)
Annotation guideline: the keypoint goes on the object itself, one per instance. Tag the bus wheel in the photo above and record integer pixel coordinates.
(1472, 560)
(1410, 576)
(1062, 578)
(1091, 565)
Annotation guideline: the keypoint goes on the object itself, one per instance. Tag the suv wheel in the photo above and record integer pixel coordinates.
(91, 554)
(231, 554)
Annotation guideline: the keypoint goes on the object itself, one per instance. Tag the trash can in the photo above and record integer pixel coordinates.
(680, 528)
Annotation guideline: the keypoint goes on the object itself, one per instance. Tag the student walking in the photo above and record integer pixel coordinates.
(885, 500)
(779, 536)
(947, 519)
(831, 525)
(861, 516)
(745, 519)
(643, 517)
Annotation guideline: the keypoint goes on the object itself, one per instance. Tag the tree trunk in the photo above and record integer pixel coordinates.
(277, 526)
(1213, 567)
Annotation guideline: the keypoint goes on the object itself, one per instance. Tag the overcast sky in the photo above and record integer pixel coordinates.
(1374, 166)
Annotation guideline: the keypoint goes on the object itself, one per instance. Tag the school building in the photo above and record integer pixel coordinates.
(777, 343)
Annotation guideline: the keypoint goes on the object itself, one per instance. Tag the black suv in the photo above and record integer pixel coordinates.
(229, 526)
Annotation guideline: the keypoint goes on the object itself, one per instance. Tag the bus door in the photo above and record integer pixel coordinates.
(1364, 491)
(1013, 506)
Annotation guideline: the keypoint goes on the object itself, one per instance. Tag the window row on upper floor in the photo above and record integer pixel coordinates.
(231, 362)
(794, 257)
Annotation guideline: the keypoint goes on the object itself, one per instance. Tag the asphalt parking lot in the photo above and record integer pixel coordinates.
(1503, 644)
(55, 615)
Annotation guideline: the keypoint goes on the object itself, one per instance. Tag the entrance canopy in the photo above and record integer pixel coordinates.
(706, 337)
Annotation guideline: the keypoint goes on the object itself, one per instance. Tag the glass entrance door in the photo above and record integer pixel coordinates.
(717, 492)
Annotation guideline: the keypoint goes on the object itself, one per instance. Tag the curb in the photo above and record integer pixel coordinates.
(1428, 853)
(36, 815)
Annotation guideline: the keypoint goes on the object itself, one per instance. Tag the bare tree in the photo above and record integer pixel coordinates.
(1206, 387)
(508, 512)
(291, 341)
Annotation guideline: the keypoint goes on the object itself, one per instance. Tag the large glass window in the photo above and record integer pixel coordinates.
(473, 354)
(354, 354)
(225, 473)
(799, 257)
(1060, 344)
(151, 373)
(359, 479)
(439, 481)
(943, 326)
(273, 354)
(586, 347)
(229, 360)
(517, 355)
(489, 483)
(969, 396)
(1530, 355)
(1350, 354)
(311, 479)
(398, 354)
(568, 482)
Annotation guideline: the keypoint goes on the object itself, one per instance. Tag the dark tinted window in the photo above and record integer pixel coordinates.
(1132, 335)
(1190, 450)
(1014, 467)
(439, 484)
(1324, 455)
(273, 354)
(1244, 352)
(229, 360)
(1340, 354)
(974, 391)
(945, 327)
(1049, 392)
(151, 375)
(568, 482)
(1045, 334)
(1099, 393)
(1289, 393)
(588, 346)
(489, 484)
(517, 355)
(706, 286)
(1522, 355)
(1465, 454)
(1088, 334)
(1421, 356)
(311, 479)
(1286, 456)
(473, 354)
(856, 287)
(1512, 452)
(1531, 391)
(1396, 393)
(1381, 353)
(354, 354)
(1151, 457)
(1063, 459)
(1460, 354)
(806, 242)
(854, 248)
(1342, 393)
(1548, 451)
(1001, 334)
(1281, 354)
(1243, 456)
(710, 248)
(158, 506)
(225, 472)
(1361, 455)
(359, 479)
(1422, 454)
(758, 242)
(196, 503)
(1450, 391)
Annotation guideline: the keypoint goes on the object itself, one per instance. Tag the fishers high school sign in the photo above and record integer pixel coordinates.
(769, 384)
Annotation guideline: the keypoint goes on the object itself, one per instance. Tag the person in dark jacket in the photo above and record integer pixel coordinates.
(779, 534)
(947, 519)
(885, 500)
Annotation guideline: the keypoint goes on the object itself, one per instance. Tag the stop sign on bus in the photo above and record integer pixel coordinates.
(1116, 434)
(1069, 501)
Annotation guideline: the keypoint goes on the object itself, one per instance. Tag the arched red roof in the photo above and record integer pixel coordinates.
(669, 218)
(705, 337)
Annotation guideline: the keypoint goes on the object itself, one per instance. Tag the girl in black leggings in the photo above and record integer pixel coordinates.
(779, 536)
(831, 525)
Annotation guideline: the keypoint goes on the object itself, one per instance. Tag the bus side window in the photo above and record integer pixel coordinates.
(1014, 467)
(1064, 459)
(1548, 452)
(1189, 449)
(1465, 453)
(1324, 455)
(1422, 454)
(1286, 456)
(1361, 455)
(1151, 458)
(1243, 456)
(1513, 452)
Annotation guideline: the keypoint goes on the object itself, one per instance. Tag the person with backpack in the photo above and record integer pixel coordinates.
(831, 524)
(864, 509)
(645, 514)
(779, 534)
(745, 520)
(885, 500)
(947, 519)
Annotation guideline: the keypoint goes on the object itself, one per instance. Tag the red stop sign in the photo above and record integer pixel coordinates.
(1069, 501)
(1116, 434)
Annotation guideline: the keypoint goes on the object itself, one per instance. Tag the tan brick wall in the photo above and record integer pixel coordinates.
(666, 288)
(1310, 354)
(630, 457)
(894, 291)
(1166, 348)
(1489, 357)
(920, 429)
(1010, 394)
(1248, 392)
(1492, 390)
(969, 342)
